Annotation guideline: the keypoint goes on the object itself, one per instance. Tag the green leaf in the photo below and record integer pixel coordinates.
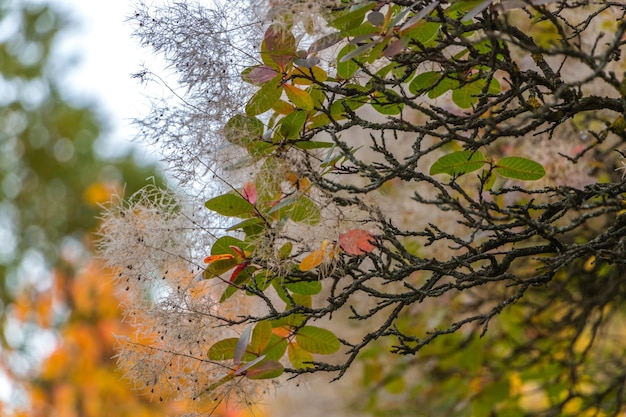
(252, 226)
(458, 163)
(301, 300)
(260, 282)
(469, 94)
(346, 69)
(223, 350)
(215, 385)
(466, 96)
(461, 7)
(304, 287)
(261, 336)
(519, 168)
(285, 251)
(242, 130)
(291, 125)
(264, 99)
(224, 243)
(444, 86)
(490, 182)
(304, 211)
(424, 82)
(338, 107)
(231, 205)
(265, 370)
(353, 18)
(299, 358)
(309, 144)
(317, 340)
(276, 347)
(300, 209)
(384, 105)
(424, 33)
(292, 320)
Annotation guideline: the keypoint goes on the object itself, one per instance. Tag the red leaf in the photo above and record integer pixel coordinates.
(356, 241)
(249, 192)
(237, 270)
(262, 74)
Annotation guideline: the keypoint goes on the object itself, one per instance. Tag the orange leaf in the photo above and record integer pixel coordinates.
(356, 241)
(314, 258)
(213, 258)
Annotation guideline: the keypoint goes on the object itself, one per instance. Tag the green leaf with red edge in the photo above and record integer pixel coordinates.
(299, 358)
(265, 97)
(280, 44)
(218, 268)
(238, 280)
(266, 369)
(356, 242)
(224, 245)
(238, 269)
(317, 340)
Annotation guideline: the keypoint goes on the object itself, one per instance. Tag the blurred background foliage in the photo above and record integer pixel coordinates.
(58, 312)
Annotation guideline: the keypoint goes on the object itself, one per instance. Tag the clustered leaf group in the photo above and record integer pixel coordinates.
(288, 108)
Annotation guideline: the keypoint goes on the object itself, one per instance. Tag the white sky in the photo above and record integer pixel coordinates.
(107, 56)
(100, 42)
